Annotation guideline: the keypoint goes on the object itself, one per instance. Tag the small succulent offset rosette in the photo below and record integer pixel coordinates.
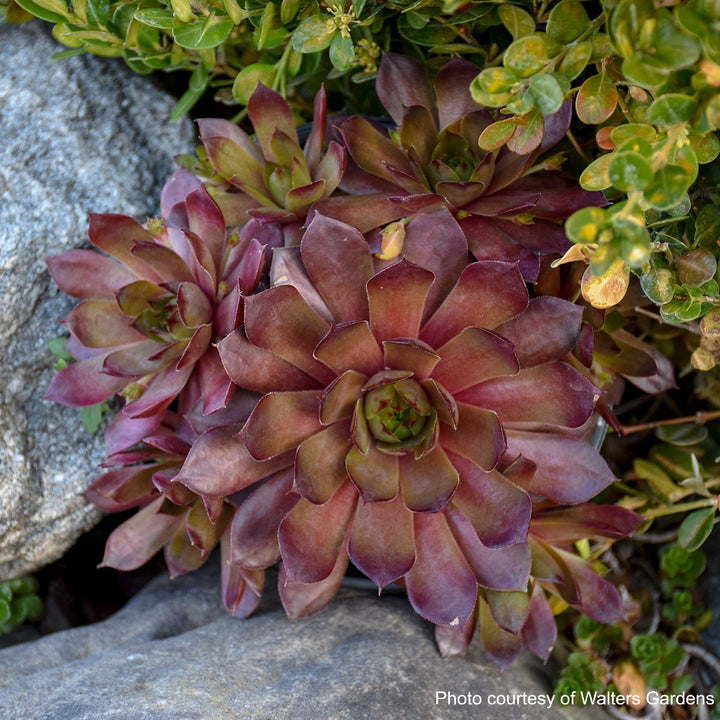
(412, 413)
(509, 206)
(152, 307)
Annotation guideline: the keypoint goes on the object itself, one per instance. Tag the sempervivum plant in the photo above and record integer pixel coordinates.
(185, 525)
(411, 413)
(269, 182)
(152, 307)
(507, 209)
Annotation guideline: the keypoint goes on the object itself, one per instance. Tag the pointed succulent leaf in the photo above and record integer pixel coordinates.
(410, 354)
(598, 598)
(269, 112)
(479, 436)
(441, 586)
(254, 531)
(253, 368)
(454, 640)
(509, 608)
(217, 128)
(219, 464)
(350, 346)
(82, 384)
(560, 322)
(397, 297)
(473, 356)
(501, 568)
(374, 473)
(86, 274)
(320, 463)
(487, 294)
(117, 235)
(501, 645)
(497, 509)
(340, 397)
(279, 320)
(435, 241)
(452, 88)
(402, 83)
(134, 542)
(581, 521)
(301, 600)
(280, 422)
(337, 260)
(549, 395)
(568, 472)
(540, 631)
(241, 588)
(382, 541)
(101, 324)
(312, 536)
(427, 483)
(174, 195)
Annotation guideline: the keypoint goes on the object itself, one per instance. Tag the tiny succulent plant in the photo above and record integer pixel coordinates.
(507, 208)
(268, 183)
(19, 603)
(152, 307)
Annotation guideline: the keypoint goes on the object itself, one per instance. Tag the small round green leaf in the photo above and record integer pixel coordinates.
(584, 225)
(667, 187)
(313, 34)
(706, 147)
(529, 54)
(567, 21)
(596, 175)
(547, 93)
(204, 34)
(496, 135)
(696, 267)
(576, 60)
(528, 134)
(630, 171)
(596, 100)
(157, 17)
(248, 78)
(517, 21)
(342, 52)
(658, 285)
(671, 109)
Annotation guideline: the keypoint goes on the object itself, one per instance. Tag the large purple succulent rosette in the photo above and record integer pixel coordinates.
(507, 206)
(152, 306)
(412, 412)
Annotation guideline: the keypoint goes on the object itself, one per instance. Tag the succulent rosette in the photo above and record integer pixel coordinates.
(410, 413)
(268, 182)
(152, 306)
(432, 159)
(185, 525)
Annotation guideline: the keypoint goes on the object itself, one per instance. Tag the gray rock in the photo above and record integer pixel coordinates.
(173, 654)
(77, 135)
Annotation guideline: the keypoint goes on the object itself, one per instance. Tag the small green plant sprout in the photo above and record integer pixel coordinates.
(92, 415)
(19, 603)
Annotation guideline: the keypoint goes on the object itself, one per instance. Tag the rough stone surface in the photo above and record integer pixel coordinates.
(173, 654)
(77, 135)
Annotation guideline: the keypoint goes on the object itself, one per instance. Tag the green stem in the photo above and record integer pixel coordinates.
(681, 508)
